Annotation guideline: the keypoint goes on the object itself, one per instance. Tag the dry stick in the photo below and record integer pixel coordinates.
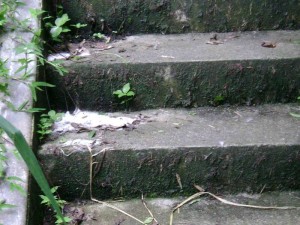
(91, 161)
(103, 150)
(225, 202)
(151, 214)
(116, 208)
(101, 202)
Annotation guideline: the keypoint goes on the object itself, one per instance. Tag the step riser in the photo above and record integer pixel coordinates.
(176, 84)
(153, 172)
(178, 16)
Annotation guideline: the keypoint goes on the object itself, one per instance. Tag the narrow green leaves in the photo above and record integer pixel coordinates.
(31, 161)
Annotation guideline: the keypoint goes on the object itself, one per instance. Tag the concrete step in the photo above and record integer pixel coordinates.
(204, 211)
(167, 151)
(177, 16)
(182, 71)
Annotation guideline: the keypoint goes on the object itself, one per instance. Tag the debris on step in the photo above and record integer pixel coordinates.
(76, 214)
(268, 44)
(205, 209)
(214, 40)
(85, 120)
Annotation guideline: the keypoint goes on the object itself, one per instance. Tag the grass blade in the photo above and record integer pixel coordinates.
(30, 160)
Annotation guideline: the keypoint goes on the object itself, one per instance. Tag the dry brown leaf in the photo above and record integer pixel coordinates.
(268, 44)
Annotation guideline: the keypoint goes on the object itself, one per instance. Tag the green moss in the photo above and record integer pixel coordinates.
(194, 84)
(174, 17)
(153, 172)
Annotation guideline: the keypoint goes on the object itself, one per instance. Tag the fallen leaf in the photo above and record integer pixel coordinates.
(268, 44)
(214, 42)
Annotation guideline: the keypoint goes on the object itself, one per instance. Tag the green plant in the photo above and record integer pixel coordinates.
(99, 35)
(28, 51)
(4, 78)
(78, 26)
(59, 27)
(61, 203)
(125, 95)
(7, 10)
(3, 12)
(46, 122)
(31, 161)
(218, 100)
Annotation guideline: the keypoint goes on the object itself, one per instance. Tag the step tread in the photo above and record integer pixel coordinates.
(205, 211)
(224, 149)
(193, 47)
(204, 127)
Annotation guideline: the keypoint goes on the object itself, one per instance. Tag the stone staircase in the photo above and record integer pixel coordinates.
(211, 109)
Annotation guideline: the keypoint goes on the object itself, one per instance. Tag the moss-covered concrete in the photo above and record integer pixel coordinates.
(192, 84)
(232, 150)
(183, 71)
(178, 16)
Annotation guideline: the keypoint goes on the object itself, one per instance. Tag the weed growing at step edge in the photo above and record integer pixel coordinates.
(60, 25)
(46, 122)
(31, 161)
(61, 203)
(125, 95)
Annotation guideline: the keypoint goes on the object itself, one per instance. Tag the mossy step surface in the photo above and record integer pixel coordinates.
(203, 210)
(179, 16)
(223, 149)
(182, 71)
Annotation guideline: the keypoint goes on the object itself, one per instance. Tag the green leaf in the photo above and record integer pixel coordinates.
(118, 92)
(54, 189)
(30, 160)
(99, 35)
(10, 105)
(45, 200)
(62, 20)
(55, 31)
(59, 220)
(36, 12)
(126, 88)
(65, 30)
(295, 115)
(22, 106)
(130, 93)
(6, 206)
(34, 110)
(16, 187)
(14, 178)
(51, 113)
(38, 84)
(148, 220)
(4, 88)
(79, 25)
(92, 134)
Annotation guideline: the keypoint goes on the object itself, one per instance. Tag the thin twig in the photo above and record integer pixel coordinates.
(6, 140)
(117, 209)
(101, 202)
(194, 196)
(145, 205)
